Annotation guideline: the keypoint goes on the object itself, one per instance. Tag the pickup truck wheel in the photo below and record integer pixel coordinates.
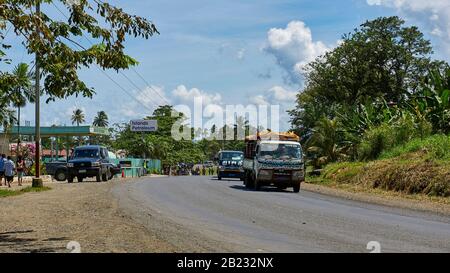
(60, 175)
(80, 179)
(70, 179)
(105, 176)
(297, 188)
(256, 185)
(98, 177)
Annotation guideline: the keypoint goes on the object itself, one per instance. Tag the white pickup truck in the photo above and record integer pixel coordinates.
(274, 159)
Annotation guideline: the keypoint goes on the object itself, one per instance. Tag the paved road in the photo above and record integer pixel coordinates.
(282, 221)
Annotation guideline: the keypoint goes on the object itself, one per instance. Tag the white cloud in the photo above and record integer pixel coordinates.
(259, 100)
(240, 54)
(434, 14)
(276, 95)
(293, 48)
(185, 95)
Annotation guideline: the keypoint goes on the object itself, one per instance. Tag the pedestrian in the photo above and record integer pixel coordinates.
(9, 171)
(20, 167)
(2, 169)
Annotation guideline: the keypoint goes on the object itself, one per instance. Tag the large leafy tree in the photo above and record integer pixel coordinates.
(57, 42)
(383, 58)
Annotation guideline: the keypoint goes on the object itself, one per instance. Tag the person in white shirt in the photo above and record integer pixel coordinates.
(9, 170)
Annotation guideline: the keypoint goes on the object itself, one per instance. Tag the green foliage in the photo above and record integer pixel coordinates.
(326, 144)
(432, 102)
(386, 136)
(436, 147)
(60, 56)
(78, 117)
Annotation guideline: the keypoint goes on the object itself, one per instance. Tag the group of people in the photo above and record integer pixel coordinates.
(203, 171)
(8, 169)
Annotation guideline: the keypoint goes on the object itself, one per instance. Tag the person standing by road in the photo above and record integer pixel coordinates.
(2, 169)
(20, 164)
(9, 171)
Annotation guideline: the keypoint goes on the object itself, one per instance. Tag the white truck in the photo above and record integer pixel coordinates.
(273, 159)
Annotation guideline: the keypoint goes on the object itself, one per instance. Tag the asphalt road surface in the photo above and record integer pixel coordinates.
(235, 219)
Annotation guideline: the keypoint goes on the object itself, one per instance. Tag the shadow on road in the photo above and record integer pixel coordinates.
(263, 189)
(15, 241)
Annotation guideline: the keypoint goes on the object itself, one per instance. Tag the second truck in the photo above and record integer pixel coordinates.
(273, 159)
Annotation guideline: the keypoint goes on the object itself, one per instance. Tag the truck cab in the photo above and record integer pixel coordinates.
(89, 161)
(274, 161)
(230, 164)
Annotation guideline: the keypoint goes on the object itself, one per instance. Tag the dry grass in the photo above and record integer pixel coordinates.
(409, 174)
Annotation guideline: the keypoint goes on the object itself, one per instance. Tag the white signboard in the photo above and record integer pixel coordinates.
(143, 125)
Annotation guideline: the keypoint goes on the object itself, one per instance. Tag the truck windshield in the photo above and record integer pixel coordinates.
(280, 151)
(231, 158)
(86, 153)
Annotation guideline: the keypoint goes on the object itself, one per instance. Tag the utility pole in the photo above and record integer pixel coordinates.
(37, 181)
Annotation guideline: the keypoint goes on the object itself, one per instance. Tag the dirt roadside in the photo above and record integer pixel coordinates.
(82, 212)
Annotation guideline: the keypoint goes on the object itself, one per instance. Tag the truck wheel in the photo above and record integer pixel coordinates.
(80, 179)
(105, 176)
(98, 177)
(70, 179)
(219, 177)
(297, 188)
(60, 175)
(256, 185)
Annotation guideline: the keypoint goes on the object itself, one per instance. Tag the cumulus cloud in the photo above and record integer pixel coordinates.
(276, 95)
(293, 48)
(434, 14)
(184, 95)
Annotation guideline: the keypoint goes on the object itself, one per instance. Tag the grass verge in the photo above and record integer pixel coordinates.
(420, 169)
(7, 193)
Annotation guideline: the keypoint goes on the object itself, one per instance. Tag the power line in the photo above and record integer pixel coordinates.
(140, 76)
(108, 76)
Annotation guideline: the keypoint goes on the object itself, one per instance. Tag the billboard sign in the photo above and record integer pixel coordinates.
(143, 125)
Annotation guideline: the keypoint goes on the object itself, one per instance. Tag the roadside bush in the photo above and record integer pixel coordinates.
(386, 137)
(375, 141)
(433, 147)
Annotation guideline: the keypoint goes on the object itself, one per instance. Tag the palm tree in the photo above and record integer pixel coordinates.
(78, 117)
(101, 120)
(22, 92)
(326, 143)
(7, 118)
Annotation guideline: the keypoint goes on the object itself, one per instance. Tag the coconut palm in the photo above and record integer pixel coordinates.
(326, 143)
(78, 117)
(22, 92)
(101, 120)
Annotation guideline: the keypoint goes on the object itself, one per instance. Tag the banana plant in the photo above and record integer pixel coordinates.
(433, 101)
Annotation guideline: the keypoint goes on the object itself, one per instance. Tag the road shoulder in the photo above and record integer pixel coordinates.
(390, 199)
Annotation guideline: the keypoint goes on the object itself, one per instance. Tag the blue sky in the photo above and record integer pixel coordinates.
(225, 51)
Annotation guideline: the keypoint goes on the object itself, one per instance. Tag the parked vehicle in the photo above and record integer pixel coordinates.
(230, 164)
(89, 161)
(274, 159)
(57, 169)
